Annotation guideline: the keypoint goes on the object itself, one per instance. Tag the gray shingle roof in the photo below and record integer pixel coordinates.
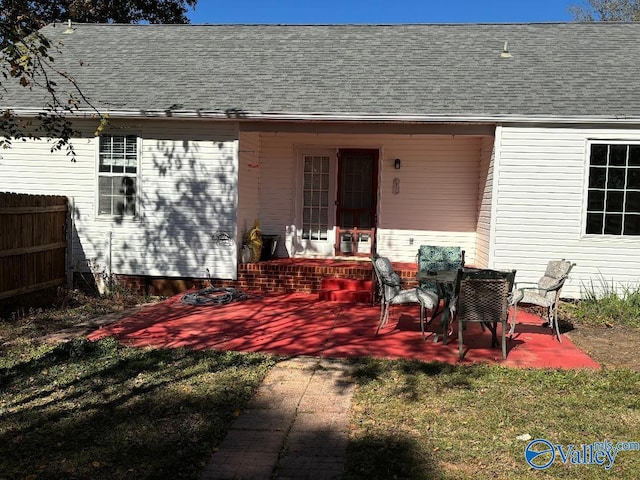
(444, 70)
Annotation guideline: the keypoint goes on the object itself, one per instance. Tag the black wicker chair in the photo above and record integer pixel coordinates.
(483, 296)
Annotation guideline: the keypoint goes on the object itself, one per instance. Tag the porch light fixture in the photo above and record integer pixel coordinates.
(396, 164)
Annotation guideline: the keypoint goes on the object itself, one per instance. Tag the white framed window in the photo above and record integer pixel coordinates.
(315, 197)
(613, 191)
(118, 159)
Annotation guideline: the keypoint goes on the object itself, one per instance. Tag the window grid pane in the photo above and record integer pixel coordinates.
(613, 196)
(315, 210)
(118, 152)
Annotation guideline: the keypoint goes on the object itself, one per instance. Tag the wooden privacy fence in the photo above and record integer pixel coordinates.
(33, 243)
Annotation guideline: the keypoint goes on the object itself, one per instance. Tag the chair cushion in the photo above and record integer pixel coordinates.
(405, 296)
(389, 281)
(554, 277)
(428, 299)
(390, 291)
(385, 270)
(383, 264)
(516, 296)
(415, 295)
(534, 298)
(432, 257)
(550, 283)
(558, 269)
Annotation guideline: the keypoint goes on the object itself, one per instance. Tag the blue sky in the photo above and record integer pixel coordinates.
(380, 11)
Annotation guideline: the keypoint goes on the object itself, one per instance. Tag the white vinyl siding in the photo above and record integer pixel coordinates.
(485, 197)
(189, 200)
(541, 208)
(186, 224)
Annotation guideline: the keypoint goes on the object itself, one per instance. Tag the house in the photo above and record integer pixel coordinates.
(518, 142)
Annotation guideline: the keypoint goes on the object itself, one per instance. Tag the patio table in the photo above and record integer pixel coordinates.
(445, 281)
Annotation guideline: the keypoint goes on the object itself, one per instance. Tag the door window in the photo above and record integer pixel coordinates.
(315, 191)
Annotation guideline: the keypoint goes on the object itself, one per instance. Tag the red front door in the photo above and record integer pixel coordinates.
(356, 205)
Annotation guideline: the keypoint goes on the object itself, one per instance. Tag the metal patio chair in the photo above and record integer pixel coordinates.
(391, 292)
(545, 293)
(434, 258)
(483, 296)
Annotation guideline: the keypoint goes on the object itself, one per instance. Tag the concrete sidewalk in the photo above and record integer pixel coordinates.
(296, 427)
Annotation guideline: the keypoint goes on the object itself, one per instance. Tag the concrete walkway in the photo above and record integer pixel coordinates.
(296, 427)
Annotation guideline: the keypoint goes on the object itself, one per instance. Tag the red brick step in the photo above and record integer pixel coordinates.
(346, 290)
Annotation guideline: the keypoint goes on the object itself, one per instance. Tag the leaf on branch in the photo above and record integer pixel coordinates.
(104, 122)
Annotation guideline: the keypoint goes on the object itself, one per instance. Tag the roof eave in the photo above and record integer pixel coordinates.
(237, 115)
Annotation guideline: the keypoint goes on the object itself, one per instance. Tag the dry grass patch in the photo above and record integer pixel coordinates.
(76, 409)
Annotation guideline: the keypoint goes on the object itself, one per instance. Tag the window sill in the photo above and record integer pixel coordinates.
(117, 219)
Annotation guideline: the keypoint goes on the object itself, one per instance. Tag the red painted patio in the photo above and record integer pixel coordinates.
(301, 324)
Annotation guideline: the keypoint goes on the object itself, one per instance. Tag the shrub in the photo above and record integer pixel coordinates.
(604, 304)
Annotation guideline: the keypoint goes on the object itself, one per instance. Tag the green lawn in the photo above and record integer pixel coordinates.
(431, 421)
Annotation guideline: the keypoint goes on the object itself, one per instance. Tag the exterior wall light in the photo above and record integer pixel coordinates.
(396, 164)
